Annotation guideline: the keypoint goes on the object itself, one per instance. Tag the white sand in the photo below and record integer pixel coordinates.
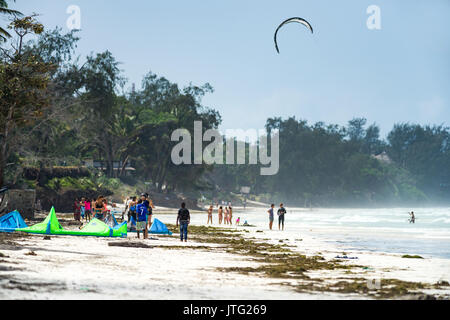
(87, 268)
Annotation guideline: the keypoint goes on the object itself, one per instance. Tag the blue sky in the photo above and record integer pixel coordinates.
(400, 73)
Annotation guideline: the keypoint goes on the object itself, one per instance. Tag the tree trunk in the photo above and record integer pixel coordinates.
(124, 165)
(109, 161)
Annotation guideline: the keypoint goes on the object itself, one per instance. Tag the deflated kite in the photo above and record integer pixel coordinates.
(291, 20)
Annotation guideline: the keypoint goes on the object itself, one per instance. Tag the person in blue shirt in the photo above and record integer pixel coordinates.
(149, 204)
(141, 221)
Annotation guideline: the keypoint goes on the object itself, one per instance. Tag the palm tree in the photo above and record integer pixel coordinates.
(5, 11)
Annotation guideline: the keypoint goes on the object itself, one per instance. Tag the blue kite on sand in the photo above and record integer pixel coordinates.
(159, 228)
(12, 221)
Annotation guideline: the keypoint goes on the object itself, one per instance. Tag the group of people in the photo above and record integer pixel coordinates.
(85, 207)
(281, 212)
(225, 215)
(139, 211)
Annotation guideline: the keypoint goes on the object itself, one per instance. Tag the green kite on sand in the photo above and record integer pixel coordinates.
(95, 228)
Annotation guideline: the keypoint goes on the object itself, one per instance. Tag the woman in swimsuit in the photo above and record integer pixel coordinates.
(230, 215)
(220, 214)
(210, 211)
(227, 218)
(99, 208)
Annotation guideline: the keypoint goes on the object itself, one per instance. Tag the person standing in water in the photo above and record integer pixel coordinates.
(183, 219)
(270, 212)
(210, 212)
(230, 214)
(281, 213)
(413, 217)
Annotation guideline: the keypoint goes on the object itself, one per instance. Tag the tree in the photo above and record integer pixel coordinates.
(162, 108)
(53, 136)
(100, 77)
(424, 151)
(4, 35)
(24, 80)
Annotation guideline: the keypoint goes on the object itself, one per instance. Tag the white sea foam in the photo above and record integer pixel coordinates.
(386, 230)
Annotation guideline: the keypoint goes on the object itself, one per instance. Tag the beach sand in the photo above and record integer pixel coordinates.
(164, 268)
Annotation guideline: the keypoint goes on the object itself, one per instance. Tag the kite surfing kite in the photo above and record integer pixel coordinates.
(291, 20)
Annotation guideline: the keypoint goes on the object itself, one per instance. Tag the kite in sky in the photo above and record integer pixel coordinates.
(291, 20)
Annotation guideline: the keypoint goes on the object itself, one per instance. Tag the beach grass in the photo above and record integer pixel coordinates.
(407, 256)
(277, 261)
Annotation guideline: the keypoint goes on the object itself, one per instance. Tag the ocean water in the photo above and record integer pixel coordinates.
(382, 230)
(386, 230)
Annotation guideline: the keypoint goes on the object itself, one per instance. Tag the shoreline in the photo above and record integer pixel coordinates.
(221, 263)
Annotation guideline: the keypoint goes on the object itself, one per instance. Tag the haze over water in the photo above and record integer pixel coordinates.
(382, 230)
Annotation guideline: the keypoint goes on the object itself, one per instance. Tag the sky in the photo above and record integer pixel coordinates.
(399, 73)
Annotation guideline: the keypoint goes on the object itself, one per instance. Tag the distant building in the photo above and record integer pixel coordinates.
(101, 165)
(383, 157)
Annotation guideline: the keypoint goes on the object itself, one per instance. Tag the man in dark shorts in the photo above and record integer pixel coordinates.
(183, 218)
(281, 213)
(142, 216)
(149, 204)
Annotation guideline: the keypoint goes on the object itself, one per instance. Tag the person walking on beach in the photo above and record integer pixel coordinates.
(230, 214)
(183, 219)
(281, 213)
(220, 211)
(210, 212)
(271, 216)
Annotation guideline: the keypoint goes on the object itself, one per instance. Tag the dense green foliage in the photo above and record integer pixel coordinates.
(89, 115)
(330, 165)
